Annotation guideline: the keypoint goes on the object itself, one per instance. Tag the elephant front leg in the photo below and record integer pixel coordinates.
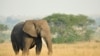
(48, 40)
(27, 43)
(49, 45)
(38, 46)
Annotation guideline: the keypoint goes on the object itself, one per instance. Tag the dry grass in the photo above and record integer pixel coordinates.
(78, 49)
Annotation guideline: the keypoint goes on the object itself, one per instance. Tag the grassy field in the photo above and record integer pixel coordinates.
(77, 49)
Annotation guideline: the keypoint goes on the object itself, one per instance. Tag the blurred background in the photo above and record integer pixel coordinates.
(70, 20)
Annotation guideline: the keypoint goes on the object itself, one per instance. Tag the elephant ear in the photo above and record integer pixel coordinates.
(29, 28)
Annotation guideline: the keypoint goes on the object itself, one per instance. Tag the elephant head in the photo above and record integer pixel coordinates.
(33, 27)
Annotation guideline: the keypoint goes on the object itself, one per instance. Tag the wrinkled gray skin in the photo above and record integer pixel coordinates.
(24, 41)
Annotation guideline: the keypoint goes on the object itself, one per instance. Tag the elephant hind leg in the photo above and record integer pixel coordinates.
(15, 48)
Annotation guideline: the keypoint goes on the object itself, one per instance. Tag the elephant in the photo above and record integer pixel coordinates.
(26, 35)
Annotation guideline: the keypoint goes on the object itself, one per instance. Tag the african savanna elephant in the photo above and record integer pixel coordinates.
(26, 35)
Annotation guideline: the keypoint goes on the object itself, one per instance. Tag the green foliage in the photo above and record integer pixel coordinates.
(88, 34)
(3, 36)
(3, 27)
(64, 25)
(58, 40)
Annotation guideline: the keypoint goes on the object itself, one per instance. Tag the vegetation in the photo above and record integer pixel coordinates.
(70, 28)
(78, 49)
(65, 28)
(3, 35)
(3, 27)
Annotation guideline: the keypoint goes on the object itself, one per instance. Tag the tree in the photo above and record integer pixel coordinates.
(2, 35)
(67, 26)
(3, 27)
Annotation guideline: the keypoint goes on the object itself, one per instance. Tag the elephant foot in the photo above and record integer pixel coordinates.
(16, 55)
(25, 54)
(49, 53)
(37, 55)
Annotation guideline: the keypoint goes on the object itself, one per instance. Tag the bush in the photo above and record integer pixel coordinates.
(57, 40)
(1, 41)
(71, 38)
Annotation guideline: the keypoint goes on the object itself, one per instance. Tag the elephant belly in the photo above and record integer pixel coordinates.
(32, 45)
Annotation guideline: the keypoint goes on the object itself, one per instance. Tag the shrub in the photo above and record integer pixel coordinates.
(1, 41)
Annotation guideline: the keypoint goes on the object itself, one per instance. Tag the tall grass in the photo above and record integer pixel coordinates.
(76, 49)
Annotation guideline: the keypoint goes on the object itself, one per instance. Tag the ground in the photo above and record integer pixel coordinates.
(76, 49)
